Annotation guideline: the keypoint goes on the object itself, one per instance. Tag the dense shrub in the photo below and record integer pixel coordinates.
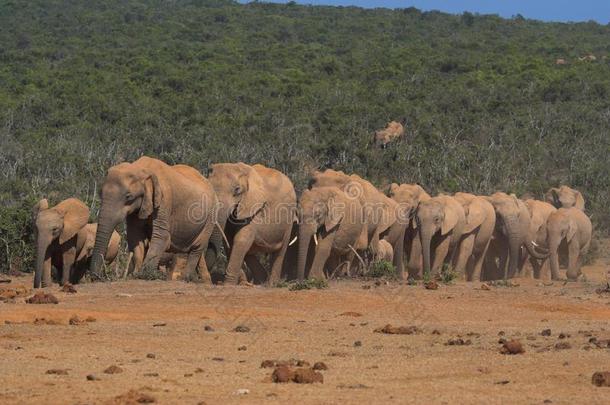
(84, 85)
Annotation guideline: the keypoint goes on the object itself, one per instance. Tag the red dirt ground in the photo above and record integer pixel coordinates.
(154, 331)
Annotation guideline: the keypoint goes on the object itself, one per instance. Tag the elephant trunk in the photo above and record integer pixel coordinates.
(42, 274)
(305, 236)
(533, 252)
(107, 222)
(426, 239)
(554, 259)
(514, 247)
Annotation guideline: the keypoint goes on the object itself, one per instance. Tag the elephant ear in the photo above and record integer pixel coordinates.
(75, 215)
(580, 201)
(552, 197)
(392, 189)
(450, 220)
(89, 242)
(39, 206)
(475, 215)
(253, 198)
(151, 200)
(334, 216)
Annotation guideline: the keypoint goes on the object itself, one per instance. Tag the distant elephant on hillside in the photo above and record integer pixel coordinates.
(565, 197)
(333, 222)
(476, 235)
(64, 240)
(572, 227)
(258, 207)
(177, 202)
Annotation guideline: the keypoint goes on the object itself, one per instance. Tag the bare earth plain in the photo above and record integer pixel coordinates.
(155, 332)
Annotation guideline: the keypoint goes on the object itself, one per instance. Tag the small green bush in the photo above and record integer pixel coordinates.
(308, 284)
(151, 273)
(382, 269)
(448, 275)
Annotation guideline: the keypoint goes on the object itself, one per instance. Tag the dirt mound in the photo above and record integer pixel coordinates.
(601, 379)
(132, 397)
(301, 375)
(113, 370)
(9, 294)
(42, 298)
(68, 289)
(57, 371)
(512, 347)
(45, 321)
(398, 330)
(351, 313)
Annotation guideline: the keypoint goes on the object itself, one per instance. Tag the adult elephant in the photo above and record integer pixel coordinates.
(334, 222)
(572, 226)
(63, 240)
(511, 233)
(176, 202)
(565, 197)
(409, 196)
(257, 212)
(440, 222)
(476, 235)
(539, 214)
(381, 214)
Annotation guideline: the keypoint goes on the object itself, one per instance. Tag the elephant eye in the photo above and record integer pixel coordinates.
(237, 190)
(129, 197)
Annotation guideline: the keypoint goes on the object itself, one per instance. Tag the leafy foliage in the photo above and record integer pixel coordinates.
(85, 85)
(307, 284)
(382, 269)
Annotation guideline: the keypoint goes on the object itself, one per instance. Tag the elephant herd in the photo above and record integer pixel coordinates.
(339, 223)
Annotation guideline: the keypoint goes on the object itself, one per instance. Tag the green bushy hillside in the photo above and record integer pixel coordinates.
(84, 85)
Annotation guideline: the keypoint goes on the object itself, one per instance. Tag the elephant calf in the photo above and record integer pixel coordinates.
(65, 241)
(574, 227)
(334, 222)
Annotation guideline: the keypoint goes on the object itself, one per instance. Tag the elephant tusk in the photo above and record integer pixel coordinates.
(224, 237)
(292, 241)
(535, 244)
(357, 255)
(315, 239)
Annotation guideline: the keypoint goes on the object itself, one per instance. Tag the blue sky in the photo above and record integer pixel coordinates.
(547, 10)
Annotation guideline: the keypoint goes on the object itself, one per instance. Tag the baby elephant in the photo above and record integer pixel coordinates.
(64, 240)
(574, 227)
(385, 251)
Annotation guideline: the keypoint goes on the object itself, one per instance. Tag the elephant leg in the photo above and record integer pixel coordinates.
(278, 260)
(440, 254)
(197, 251)
(464, 252)
(322, 254)
(137, 258)
(573, 260)
(259, 273)
(242, 243)
(68, 258)
(477, 263)
(415, 259)
(399, 251)
(193, 261)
